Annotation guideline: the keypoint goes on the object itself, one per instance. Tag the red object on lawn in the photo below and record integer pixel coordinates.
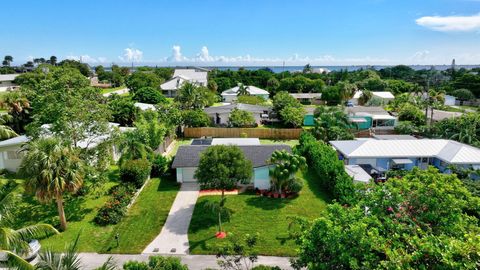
(221, 235)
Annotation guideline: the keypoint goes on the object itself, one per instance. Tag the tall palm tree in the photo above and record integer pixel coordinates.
(132, 146)
(51, 169)
(13, 242)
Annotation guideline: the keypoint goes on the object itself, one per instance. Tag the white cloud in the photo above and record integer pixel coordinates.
(87, 59)
(131, 55)
(420, 56)
(176, 55)
(451, 23)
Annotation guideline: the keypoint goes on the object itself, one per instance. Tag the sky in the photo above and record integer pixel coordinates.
(243, 32)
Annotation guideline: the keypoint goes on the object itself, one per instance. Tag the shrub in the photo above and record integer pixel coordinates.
(156, 263)
(135, 171)
(160, 165)
(253, 100)
(196, 118)
(149, 95)
(295, 185)
(240, 118)
(412, 113)
(134, 265)
(116, 207)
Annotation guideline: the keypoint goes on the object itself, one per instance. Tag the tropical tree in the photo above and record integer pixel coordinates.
(14, 242)
(50, 260)
(331, 123)
(223, 167)
(243, 90)
(7, 60)
(365, 97)
(53, 60)
(6, 132)
(191, 96)
(286, 165)
(52, 169)
(240, 118)
(18, 106)
(133, 145)
(292, 116)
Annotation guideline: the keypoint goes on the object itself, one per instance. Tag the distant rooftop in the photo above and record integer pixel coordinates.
(253, 90)
(394, 137)
(8, 77)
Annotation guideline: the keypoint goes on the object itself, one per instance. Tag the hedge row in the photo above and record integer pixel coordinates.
(135, 172)
(324, 160)
(116, 207)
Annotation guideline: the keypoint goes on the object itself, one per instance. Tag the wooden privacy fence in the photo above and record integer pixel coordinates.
(261, 133)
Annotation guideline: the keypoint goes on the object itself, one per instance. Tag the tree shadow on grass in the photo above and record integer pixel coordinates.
(267, 203)
(168, 183)
(314, 183)
(203, 218)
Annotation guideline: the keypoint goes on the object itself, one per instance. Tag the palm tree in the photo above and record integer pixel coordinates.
(6, 132)
(50, 260)
(133, 147)
(286, 166)
(51, 169)
(243, 90)
(13, 242)
(18, 107)
(365, 97)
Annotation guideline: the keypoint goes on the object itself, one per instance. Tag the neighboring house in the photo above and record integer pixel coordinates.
(439, 115)
(308, 98)
(449, 100)
(384, 155)
(358, 174)
(11, 157)
(188, 157)
(382, 96)
(231, 94)
(360, 117)
(96, 83)
(198, 76)
(221, 114)
(6, 82)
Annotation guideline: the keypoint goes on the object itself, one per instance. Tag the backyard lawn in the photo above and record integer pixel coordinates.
(254, 214)
(109, 90)
(292, 143)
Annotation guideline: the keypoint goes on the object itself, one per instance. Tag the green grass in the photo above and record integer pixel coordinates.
(80, 212)
(178, 143)
(253, 214)
(292, 143)
(108, 90)
(145, 218)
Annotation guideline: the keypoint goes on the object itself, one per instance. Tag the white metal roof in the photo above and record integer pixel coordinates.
(379, 94)
(14, 141)
(253, 90)
(358, 173)
(8, 77)
(235, 141)
(446, 150)
(306, 95)
(144, 106)
(173, 84)
(192, 74)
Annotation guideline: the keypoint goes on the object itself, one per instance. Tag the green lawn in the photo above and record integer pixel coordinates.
(254, 214)
(108, 90)
(292, 143)
(142, 223)
(80, 212)
(145, 218)
(178, 143)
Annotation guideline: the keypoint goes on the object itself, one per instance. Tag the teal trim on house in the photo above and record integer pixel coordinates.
(308, 120)
(362, 126)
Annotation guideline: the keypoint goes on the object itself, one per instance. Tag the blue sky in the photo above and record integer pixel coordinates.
(244, 32)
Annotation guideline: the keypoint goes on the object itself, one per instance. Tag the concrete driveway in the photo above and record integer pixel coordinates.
(173, 239)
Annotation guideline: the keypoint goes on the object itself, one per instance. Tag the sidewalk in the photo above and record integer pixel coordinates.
(194, 262)
(173, 239)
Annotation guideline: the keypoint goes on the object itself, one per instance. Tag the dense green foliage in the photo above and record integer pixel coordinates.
(427, 220)
(282, 175)
(191, 96)
(241, 118)
(138, 80)
(160, 165)
(288, 109)
(156, 263)
(331, 123)
(123, 109)
(196, 118)
(149, 95)
(135, 172)
(330, 170)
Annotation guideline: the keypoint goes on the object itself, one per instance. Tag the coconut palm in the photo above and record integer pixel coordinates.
(52, 169)
(14, 242)
(133, 146)
(243, 90)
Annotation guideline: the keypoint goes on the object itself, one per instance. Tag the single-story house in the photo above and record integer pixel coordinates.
(198, 76)
(383, 96)
(384, 155)
(358, 174)
(360, 117)
(221, 114)
(188, 157)
(11, 157)
(6, 82)
(231, 94)
(308, 98)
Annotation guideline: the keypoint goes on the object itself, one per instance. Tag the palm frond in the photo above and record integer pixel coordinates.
(109, 264)
(37, 231)
(16, 262)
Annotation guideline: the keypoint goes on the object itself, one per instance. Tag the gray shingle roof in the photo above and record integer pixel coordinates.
(240, 106)
(189, 155)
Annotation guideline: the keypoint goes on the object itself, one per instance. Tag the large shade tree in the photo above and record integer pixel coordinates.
(427, 220)
(52, 169)
(223, 167)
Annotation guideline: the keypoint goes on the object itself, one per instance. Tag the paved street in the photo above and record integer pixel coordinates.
(173, 239)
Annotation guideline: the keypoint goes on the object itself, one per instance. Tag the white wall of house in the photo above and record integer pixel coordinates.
(185, 175)
(449, 100)
(10, 158)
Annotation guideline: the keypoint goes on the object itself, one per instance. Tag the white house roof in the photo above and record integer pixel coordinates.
(447, 150)
(144, 106)
(14, 141)
(8, 77)
(306, 95)
(175, 83)
(193, 74)
(379, 94)
(235, 141)
(357, 173)
(253, 90)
